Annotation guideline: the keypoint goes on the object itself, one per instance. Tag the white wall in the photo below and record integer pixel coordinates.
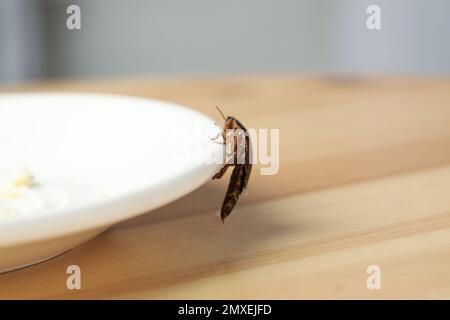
(136, 37)
(20, 40)
(193, 36)
(415, 37)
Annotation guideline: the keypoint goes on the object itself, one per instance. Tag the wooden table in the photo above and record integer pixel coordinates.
(364, 180)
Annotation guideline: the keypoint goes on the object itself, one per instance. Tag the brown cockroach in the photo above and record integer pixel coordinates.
(240, 158)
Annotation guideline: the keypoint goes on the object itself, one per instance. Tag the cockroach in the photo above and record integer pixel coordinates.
(240, 159)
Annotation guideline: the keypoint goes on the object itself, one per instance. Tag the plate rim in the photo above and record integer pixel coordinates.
(107, 211)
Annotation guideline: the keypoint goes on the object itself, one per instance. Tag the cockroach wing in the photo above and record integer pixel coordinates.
(235, 188)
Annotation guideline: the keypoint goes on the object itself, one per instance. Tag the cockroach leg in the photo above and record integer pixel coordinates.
(216, 137)
(222, 171)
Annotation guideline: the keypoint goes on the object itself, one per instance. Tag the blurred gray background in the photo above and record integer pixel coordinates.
(190, 37)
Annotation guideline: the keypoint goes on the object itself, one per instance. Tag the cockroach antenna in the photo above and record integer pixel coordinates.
(221, 113)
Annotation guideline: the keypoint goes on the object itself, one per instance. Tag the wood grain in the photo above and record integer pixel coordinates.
(364, 179)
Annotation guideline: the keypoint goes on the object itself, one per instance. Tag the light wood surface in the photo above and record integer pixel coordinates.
(364, 180)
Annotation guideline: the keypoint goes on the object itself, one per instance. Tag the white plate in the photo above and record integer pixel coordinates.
(104, 159)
